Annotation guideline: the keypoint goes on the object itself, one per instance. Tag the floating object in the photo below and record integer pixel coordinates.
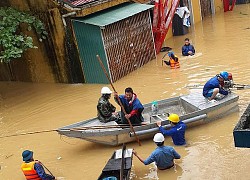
(118, 166)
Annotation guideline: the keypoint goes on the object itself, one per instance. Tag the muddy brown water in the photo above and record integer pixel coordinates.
(223, 41)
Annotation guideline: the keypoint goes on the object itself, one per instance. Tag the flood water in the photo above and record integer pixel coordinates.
(223, 41)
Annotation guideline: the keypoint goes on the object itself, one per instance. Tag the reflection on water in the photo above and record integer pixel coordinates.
(223, 41)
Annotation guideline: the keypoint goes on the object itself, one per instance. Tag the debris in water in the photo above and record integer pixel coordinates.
(60, 178)
(243, 13)
(6, 157)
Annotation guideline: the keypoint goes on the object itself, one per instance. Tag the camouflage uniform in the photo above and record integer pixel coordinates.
(105, 110)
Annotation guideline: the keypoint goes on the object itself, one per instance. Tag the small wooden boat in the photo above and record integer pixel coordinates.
(118, 166)
(242, 130)
(193, 109)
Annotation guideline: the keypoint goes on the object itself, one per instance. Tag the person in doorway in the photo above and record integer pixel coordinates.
(132, 106)
(177, 132)
(188, 49)
(173, 61)
(163, 156)
(214, 86)
(105, 110)
(33, 169)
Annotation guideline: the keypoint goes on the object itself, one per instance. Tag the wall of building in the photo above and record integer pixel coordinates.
(218, 6)
(57, 58)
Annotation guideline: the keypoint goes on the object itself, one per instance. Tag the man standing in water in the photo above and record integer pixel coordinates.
(163, 156)
(188, 49)
(33, 169)
(213, 86)
(132, 106)
(177, 132)
(105, 110)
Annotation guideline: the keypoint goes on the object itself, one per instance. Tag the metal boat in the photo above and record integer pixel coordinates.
(193, 109)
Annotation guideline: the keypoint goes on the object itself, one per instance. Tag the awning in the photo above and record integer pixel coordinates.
(114, 14)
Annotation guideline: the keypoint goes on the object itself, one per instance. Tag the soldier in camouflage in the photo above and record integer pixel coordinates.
(105, 110)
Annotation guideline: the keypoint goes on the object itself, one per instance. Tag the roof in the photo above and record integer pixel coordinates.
(115, 14)
(76, 3)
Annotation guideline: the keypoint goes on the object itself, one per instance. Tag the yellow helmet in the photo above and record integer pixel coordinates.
(174, 118)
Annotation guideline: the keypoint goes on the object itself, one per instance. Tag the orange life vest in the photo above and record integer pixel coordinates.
(29, 171)
(174, 64)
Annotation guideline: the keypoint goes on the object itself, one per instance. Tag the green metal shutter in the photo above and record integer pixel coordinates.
(90, 44)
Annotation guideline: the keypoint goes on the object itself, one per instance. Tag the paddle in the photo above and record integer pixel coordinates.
(162, 59)
(119, 101)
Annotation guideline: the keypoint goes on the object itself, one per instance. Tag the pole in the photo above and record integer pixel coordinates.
(119, 101)
(123, 161)
(46, 169)
(35, 132)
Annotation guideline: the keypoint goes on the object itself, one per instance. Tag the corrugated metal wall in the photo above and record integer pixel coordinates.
(90, 44)
(128, 44)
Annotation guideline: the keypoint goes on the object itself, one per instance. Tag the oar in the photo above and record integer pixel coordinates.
(119, 101)
(104, 127)
(162, 59)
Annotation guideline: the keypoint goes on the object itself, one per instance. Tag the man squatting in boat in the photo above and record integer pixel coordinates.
(132, 106)
(215, 86)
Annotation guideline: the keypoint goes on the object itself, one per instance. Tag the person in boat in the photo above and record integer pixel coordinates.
(163, 156)
(187, 48)
(105, 110)
(215, 86)
(177, 132)
(173, 61)
(132, 106)
(33, 169)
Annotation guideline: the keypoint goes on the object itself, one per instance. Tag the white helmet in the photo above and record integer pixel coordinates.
(106, 90)
(158, 138)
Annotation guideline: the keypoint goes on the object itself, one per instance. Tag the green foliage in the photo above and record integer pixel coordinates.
(13, 42)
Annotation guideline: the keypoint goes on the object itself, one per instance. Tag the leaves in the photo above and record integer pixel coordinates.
(13, 42)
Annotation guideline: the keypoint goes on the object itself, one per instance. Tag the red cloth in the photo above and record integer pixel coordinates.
(226, 5)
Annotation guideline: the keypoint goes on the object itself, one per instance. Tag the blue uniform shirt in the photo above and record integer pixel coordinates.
(163, 156)
(177, 133)
(187, 48)
(211, 84)
(40, 171)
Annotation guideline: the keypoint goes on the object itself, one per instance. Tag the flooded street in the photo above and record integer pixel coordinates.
(223, 41)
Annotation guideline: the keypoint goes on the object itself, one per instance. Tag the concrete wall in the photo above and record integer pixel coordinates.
(218, 6)
(57, 58)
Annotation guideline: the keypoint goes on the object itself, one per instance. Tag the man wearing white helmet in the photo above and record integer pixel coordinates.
(105, 110)
(163, 156)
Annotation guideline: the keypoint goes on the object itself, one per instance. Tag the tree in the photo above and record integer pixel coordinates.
(13, 42)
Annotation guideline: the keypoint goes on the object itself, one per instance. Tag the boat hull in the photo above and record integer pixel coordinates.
(193, 110)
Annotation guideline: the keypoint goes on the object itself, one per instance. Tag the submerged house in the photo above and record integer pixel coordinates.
(121, 36)
(117, 30)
